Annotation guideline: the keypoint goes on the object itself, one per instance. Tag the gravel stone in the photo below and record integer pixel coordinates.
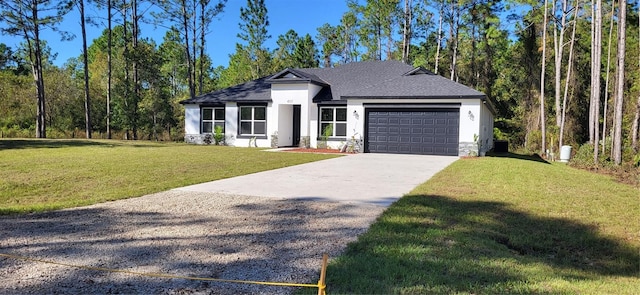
(181, 233)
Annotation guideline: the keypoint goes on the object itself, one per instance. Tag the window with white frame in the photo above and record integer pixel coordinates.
(253, 120)
(211, 118)
(333, 119)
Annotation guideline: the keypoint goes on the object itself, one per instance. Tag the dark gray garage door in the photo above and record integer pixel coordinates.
(412, 131)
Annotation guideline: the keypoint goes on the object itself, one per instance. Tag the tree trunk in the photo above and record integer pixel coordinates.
(87, 104)
(622, 36)
(125, 97)
(559, 52)
(594, 106)
(437, 59)
(634, 127)
(636, 118)
(203, 29)
(455, 34)
(568, 78)
(543, 126)
(35, 54)
(187, 49)
(194, 42)
(109, 73)
(606, 83)
(136, 76)
(406, 40)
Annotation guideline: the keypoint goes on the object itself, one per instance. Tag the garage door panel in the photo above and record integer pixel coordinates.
(419, 131)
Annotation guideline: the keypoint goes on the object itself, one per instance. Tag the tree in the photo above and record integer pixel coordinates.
(253, 31)
(284, 54)
(179, 14)
(619, 100)
(239, 69)
(6, 57)
(569, 68)
(596, 67)
(174, 65)
(305, 54)
(454, 30)
(608, 71)
(439, 36)
(87, 103)
(379, 22)
(329, 43)
(27, 18)
(406, 36)
(109, 69)
(558, 45)
(207, 14)
(636, 117)
(543, 128)
(347, 37)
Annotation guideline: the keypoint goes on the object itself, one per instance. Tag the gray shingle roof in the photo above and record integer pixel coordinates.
(388, 79)
(253, 91)
(369, 79)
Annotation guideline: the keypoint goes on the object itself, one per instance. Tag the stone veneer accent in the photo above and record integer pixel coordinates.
(467, 149)
(305, 142)
(194, 138)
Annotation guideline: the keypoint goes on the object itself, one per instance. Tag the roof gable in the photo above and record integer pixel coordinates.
(418, 71)
(295, 76)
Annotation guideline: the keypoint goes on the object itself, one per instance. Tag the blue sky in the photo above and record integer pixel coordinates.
(304, 16)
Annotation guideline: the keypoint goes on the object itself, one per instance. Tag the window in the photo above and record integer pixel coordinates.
(333, 119)
(253, 120)
(211, 118)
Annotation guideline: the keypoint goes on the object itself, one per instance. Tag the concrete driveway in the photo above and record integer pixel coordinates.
(378, 179)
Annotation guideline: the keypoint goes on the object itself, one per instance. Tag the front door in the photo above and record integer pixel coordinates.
(296, 125)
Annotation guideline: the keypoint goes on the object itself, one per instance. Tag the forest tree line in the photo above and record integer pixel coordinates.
(559, 71)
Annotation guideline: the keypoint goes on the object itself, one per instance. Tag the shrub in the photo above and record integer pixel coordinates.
(218, 135)
(583, 157)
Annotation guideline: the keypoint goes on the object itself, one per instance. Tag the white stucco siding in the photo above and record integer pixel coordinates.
(191, 119)
(312, 115)
(355, 119)
(470, 118)
(231, 122)
(486, 128)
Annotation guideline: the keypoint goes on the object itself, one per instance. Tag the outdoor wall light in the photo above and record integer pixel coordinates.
(471, 116)
(355, 114)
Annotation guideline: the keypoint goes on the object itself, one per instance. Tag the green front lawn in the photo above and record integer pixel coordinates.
(40, 175)
(512, 225)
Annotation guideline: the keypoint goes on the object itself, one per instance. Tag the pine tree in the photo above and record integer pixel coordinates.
(253, 31)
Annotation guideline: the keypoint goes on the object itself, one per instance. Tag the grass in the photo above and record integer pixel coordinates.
(500, 225)
(42, 175)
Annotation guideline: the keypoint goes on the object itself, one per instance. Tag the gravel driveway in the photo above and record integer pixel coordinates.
(181, 233)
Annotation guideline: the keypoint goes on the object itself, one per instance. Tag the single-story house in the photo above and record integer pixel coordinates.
(384, 106)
